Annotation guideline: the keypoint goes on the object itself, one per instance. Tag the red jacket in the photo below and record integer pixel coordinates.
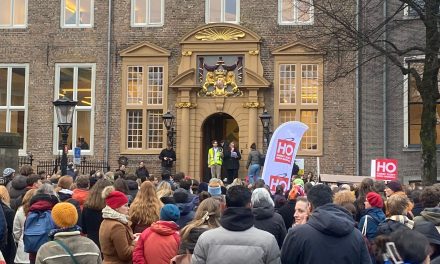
(81, 196)
(158, 244)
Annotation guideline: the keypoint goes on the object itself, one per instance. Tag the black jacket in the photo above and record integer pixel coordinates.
(17, 191)
(229, 162)
(187, 245)
(287, 211)
(9, 249)
(142, 173)
(169, 153)
(91, 221)
(328, 237)
(266, 219)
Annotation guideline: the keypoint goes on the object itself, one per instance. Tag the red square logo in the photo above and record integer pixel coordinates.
(285, 150)
(276, 180)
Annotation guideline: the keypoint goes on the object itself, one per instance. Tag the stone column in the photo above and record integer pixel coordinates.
(253, 106)
(184, 107)
(10, 143)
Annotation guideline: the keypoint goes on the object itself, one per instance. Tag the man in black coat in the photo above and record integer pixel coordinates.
(330, 227)
(167, 156)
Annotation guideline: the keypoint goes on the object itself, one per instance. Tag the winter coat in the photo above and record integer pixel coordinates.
(17, 191)
(266, 219)
(158, 244)
(91, 220)
(431, 215)
(253, 158)
(374, 216)
(81, 196)
(329, 236)
(142, 173)
(237, 241)
(186, 213)
(418, 208)
(230, 162)
(20, 218)
(169, 153)
(18, 228)
(116, 238)
(82, 248)
(9, 249)
(64, 194)
(187, 245)
(287, 211)
(394, 223)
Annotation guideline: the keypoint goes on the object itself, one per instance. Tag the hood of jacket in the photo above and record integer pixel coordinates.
(185, 208)
(332, 220)
(52, 199)
(164, 228)
(376, 213)
(237, 218)
(263, 212)
(432, 215)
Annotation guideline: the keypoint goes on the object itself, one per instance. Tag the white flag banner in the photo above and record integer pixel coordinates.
(281, 154)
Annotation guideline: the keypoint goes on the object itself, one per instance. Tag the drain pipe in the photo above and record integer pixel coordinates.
(385, 82)
(107, 83)
(358, 91)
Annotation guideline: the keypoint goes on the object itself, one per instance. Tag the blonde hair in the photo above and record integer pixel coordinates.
(4, 195)
(208, 213)
(26, 200)
(164, 190)
(145, 208)
(343, 197)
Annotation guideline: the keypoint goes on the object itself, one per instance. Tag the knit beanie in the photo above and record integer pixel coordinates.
(375, 200)
(395, 186)
(214, 189)
(169, 212)
(64, 215)
(114, 199)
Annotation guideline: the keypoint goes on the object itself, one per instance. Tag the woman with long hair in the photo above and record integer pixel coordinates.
(164, 192)
(145, 208)
(366, 186)
(91, 216)
(20, 218)
(207, 217)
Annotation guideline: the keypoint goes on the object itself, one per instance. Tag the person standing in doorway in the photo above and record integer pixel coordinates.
(142, 172)
(167, 156)
(232, 164)
(215, 160)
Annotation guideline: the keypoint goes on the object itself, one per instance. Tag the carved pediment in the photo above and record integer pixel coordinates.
(253, 79)
(220, 32)
(144, 49)
(297, 48)
(185, 79)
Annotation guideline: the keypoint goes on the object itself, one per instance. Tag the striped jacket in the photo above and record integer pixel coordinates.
(84, 250)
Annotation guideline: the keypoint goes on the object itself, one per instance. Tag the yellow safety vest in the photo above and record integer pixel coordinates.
(217, 160)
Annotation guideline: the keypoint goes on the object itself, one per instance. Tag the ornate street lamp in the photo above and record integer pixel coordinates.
(168, 121)
(265, 120)
(64, 108)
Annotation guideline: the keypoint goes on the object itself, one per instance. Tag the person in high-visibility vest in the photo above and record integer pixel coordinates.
(215, 160)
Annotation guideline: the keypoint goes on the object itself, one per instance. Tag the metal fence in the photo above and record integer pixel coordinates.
(52, 166)
(25, 160)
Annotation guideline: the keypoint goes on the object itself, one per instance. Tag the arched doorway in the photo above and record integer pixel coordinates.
(219, 126)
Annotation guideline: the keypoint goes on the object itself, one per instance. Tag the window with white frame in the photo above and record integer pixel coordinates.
(300, 80)
(227, 11)
(409, 12)
(13, 100)
(295, 12)
(13, 13)
(77, 13)
(147, 13)
(144, 105)
(414, 106)
(77, 82)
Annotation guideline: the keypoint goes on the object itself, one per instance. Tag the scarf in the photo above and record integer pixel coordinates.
(403, 219)
(109, 213)
(66, 229)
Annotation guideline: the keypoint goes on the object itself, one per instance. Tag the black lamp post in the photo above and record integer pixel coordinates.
(65, 109)
(265, 120)
(168, 121)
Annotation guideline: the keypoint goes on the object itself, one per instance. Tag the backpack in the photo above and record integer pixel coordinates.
(36, 230)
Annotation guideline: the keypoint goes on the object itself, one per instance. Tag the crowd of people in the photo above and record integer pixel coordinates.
(119, 217)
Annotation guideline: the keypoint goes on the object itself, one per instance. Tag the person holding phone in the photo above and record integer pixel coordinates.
(232, 164)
